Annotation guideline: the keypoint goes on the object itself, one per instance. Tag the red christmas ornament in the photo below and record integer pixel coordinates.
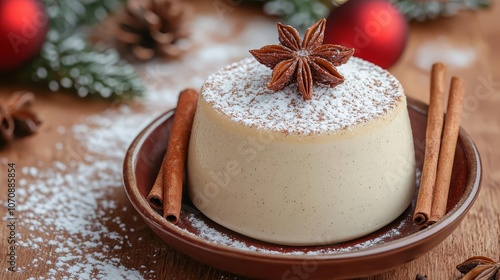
(23, 25)
(376, 29)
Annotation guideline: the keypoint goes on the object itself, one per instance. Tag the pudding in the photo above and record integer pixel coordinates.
(274, 167)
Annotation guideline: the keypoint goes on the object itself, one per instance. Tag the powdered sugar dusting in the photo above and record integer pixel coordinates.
(441, 49)
(211, 234)
(66, 207)
(239, 91)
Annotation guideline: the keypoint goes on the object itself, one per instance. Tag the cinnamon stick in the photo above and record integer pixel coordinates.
(435, 121)
(155, 196)
(175, 158)
(448, 146)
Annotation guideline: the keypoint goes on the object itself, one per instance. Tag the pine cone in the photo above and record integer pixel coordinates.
(17, 119)
(152, 27)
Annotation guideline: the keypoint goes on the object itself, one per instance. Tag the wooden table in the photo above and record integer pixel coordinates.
(74, 219)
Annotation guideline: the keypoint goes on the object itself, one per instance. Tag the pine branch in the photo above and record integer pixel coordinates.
(68, 60)
(302, 13)
(422, 10)
(72, 63)
(67, 15)
(299, 13)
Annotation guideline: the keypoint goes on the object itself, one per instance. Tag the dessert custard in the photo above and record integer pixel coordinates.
(274, 167)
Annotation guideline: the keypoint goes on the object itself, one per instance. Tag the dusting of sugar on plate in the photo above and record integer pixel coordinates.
(239, 91)
(211, 234)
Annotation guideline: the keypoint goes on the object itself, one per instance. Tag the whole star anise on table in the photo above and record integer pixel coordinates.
(480, 268)
(17, 119)
(305, 60)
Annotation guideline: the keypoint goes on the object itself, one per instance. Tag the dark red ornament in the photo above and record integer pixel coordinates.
(23, 26)
(376, 29)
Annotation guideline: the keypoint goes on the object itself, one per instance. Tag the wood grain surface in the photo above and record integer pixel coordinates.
(468, 43)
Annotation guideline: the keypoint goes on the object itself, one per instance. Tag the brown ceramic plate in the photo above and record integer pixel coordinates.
(396, 244)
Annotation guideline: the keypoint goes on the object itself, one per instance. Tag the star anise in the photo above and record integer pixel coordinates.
(306, 61)
(17, 119)
(480, 268)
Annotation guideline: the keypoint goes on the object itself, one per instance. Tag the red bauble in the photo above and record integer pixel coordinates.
(23, 25)
(375, 28)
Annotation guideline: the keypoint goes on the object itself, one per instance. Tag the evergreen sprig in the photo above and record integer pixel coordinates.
(298, 13)
(73, 63)
(302, 13)
(66, 15)
(68, 60)
(423, 10)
